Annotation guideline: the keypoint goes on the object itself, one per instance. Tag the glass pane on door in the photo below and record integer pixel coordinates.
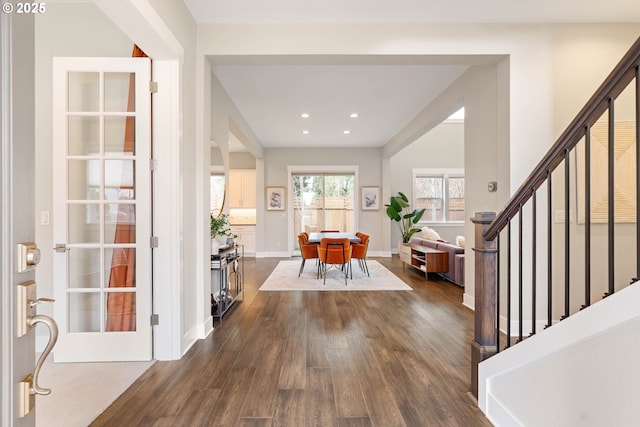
(101, 202)
(322, 202)
(338, 203)
(307, 205)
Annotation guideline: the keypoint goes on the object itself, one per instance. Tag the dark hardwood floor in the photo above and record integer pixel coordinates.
(399, 358)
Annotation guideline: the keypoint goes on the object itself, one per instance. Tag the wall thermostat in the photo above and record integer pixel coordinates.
(492, 186)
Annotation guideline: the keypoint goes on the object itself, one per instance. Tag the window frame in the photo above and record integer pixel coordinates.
(445, 174)
(224, 194)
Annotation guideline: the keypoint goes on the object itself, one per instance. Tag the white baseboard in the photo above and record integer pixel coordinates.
(281, 254)
(379, 254)
(469, 301)
(205, 329)
(188, 340)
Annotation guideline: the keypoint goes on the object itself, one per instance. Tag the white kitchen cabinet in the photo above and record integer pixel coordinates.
(242, 188)
(246, 236)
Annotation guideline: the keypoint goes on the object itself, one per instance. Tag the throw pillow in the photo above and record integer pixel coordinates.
(460, 241)
(430, 234)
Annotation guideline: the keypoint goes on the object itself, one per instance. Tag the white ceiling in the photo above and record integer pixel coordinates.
(386, 95)
(272, 97)
(440, 11)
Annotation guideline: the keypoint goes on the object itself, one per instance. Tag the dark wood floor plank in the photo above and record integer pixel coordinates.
(319, 399)
(199, 408)
(346, 385)
(354, 422)
(378, 396)
(290, 408)
(264, 386)
(233, 395)
(293, 365)
(255, 422)
(312, 358)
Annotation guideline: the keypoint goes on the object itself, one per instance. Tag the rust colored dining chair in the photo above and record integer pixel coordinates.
(334, 252)
(307, 251)
(359, 251)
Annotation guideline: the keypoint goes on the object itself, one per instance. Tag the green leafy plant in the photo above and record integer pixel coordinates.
(220, 226)
(399, 210)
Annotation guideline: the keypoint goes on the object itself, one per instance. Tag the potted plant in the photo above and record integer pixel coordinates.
(220, 228)
(398, 210)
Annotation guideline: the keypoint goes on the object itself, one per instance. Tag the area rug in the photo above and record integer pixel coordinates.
(285, 278)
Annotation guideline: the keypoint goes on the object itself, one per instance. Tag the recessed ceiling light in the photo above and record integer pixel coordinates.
(306, 132)
(353, 115)
(346, 132)
(304, 115)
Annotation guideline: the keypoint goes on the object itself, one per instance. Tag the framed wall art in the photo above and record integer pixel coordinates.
(276, 198)
(370, 200)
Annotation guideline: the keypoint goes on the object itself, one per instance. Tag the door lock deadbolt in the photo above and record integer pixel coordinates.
(28, 256)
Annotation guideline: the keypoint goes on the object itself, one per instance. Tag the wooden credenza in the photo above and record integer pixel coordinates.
(423, 258)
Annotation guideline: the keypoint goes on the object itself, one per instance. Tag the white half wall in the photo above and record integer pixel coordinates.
(582, 371)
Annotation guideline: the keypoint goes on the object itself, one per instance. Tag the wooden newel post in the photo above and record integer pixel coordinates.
(485, 340)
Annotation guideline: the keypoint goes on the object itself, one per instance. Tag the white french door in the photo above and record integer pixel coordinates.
(102, 208)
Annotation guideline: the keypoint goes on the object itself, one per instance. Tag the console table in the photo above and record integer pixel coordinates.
(227, 279)
(423, 258)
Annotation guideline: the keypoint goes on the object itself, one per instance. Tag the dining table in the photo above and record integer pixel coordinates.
(318, 236)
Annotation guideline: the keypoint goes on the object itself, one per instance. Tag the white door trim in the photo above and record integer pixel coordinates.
(139, 21)
(167, 212)
(6, 347)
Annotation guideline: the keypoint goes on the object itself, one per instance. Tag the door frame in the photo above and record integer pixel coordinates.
(141, 24)
(17, 223)
(333, 169)
(6, 349)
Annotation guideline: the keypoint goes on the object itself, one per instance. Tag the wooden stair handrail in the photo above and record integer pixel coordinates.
(614, 84)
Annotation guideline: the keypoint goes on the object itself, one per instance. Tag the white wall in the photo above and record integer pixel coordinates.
(241, 160)
(165, 30)
(583, 371)
(275, 229)
(195, 312)
(66, 29)
(596, 53)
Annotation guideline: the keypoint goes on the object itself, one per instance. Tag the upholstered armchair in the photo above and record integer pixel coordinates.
(359, 251)
(307, 251)
(334, 252)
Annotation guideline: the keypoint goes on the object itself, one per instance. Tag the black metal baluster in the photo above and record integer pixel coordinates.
(549, 251)
(520, 317)
(509, 284)
(587, 217)
(567, 246)
(533, 265)
(637, 172)
(498, 293)
(611, 190)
